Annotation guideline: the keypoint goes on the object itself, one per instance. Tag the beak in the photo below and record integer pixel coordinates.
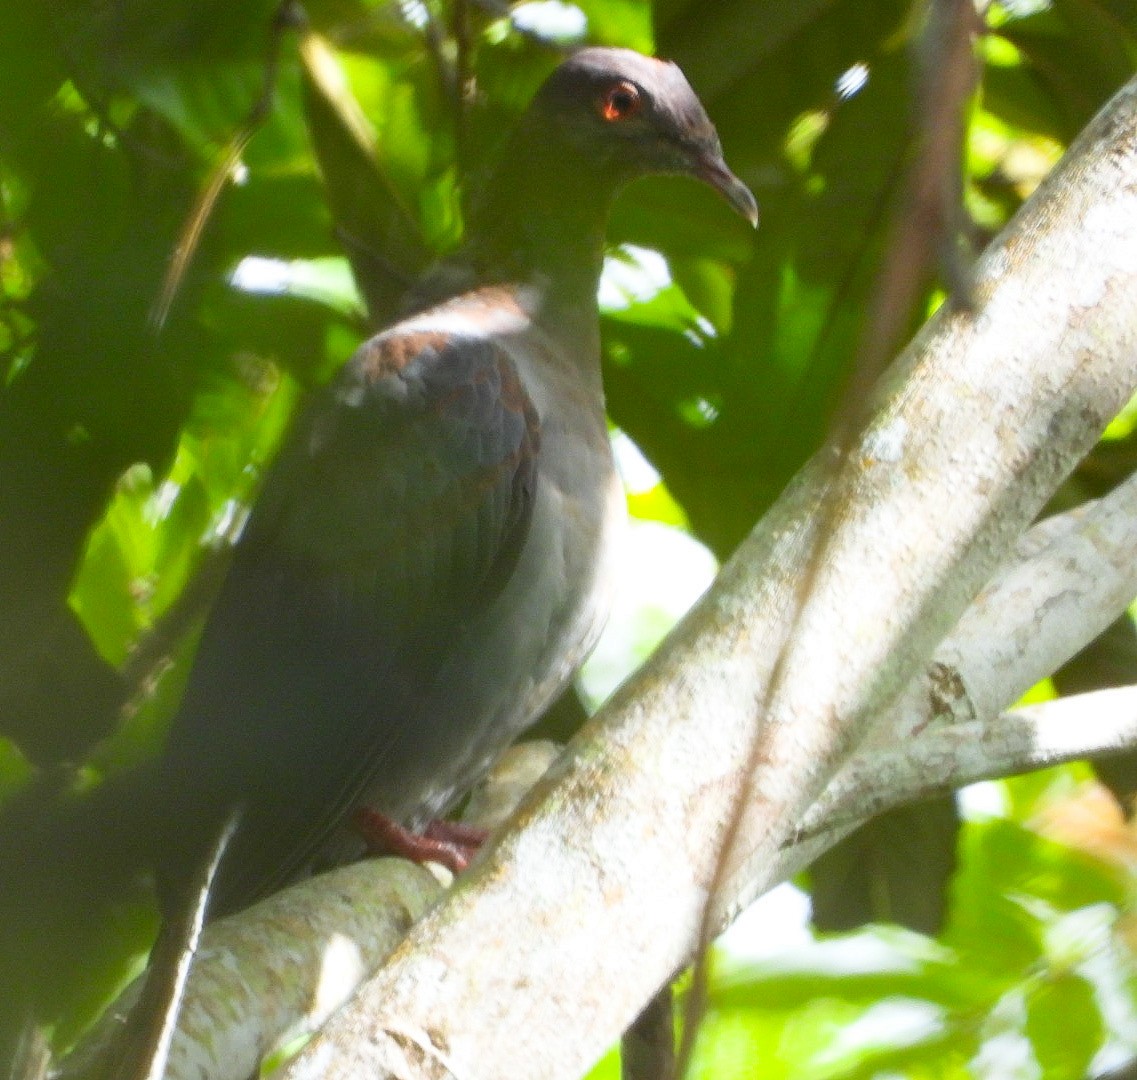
(713, 171)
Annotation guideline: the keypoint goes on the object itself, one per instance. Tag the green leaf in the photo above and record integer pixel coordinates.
(620, 22)
(1065, 1026)
(996, 921)
(113, 584)
(636, 287)
(1034, 792)
(869, 964)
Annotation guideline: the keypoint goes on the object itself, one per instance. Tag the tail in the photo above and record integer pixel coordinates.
(142, 1048)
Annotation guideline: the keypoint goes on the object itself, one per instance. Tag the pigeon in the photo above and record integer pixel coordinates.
(431, 557)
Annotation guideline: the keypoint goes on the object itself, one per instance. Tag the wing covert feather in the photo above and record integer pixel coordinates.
(415, 475)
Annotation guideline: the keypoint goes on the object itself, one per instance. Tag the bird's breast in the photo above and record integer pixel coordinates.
(563, 583)
(511, 659)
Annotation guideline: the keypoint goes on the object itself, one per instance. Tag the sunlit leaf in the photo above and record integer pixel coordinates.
(1064, 1024)
(1001, 862)
(112, 587)
(620, 22)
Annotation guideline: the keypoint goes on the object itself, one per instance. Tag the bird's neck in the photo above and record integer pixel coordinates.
(542, 220)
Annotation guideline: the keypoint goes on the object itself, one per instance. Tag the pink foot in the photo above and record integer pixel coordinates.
(450, 843)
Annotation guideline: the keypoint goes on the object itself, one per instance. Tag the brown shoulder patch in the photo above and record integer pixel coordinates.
(386, 355)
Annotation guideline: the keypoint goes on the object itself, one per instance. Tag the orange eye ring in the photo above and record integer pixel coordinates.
(619, 102)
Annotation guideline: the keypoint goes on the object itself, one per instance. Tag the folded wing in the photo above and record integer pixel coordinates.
(393, 516)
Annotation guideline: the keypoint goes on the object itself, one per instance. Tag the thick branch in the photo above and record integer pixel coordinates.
(552, 944)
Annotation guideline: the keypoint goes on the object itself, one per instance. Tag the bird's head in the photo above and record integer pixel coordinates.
(629, 115)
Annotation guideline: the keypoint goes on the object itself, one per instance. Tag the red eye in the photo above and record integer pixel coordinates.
(619, 102)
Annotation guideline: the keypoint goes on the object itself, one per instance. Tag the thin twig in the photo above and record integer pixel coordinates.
(289, 15)
(144, 1047)
(930, 217)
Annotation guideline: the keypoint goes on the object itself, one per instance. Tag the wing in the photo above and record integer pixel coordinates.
(396, 511)
(414, 480)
